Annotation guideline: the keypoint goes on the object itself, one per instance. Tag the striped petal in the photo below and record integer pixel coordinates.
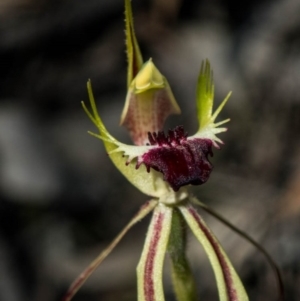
(229, 284)
(147, 208)
(150, 267)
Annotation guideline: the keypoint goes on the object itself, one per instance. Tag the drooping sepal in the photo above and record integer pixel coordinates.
(134, 56)
(76, 285)
(205, 98)
(244, 235)
(150, 267)
(229, 284)
(149, 102)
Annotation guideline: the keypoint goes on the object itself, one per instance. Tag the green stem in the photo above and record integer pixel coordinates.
(182, 278)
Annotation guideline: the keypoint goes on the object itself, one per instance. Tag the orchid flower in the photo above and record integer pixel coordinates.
(162, 166)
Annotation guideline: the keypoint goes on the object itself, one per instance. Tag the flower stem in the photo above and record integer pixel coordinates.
(182, 278)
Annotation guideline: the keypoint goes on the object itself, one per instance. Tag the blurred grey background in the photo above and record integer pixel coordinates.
(62, 200)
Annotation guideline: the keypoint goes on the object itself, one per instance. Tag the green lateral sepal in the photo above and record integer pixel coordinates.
(150, 267)
(229, 284)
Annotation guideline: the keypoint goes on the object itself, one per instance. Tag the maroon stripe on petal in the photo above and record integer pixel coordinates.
(149, 265)
(231, 291)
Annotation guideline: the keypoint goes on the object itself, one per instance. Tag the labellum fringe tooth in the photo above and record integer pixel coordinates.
(180, 159)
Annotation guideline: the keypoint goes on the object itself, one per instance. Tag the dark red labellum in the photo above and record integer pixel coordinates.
(182, 161)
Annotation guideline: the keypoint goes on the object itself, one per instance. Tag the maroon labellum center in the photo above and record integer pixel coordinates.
(181, 160)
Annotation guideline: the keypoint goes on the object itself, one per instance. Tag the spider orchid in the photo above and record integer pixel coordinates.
(162, 166)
